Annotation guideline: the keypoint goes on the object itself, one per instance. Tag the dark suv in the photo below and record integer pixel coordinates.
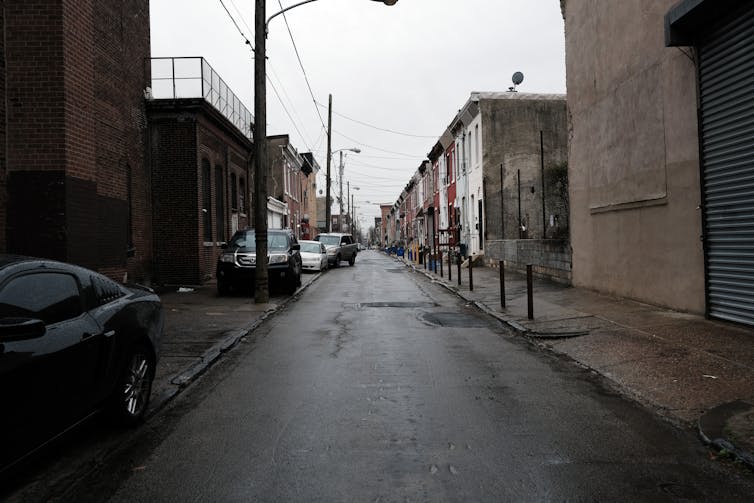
(236, 265)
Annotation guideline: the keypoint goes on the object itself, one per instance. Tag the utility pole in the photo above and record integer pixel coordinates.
(340, 198)
(348, 203)
(328, 200)
(261, 292)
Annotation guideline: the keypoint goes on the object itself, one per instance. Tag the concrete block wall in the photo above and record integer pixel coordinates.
(550, 258)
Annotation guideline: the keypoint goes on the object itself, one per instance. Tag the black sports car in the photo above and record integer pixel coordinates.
(71, 342)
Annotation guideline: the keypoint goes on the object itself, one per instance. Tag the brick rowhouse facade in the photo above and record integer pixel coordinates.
(73, 179)
(200, 180)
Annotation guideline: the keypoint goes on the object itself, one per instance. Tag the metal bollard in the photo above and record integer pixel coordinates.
(458, 262)
(450, 265)
(529, 292)
(440, 260)
(471, 273)
(502, 284)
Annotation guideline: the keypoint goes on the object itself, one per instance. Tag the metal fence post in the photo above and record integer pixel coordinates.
(471, 273)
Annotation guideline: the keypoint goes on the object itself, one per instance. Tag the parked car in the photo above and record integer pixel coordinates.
(236, 266)
(313, 255)
(339, 247)
(72, 342)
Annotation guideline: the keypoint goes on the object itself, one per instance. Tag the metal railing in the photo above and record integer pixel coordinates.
(193, 77)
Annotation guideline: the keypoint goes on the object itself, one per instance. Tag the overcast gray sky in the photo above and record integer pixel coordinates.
(406, 68)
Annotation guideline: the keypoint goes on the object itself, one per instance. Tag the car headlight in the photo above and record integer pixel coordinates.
(227, 257)
(278, 259)
(331, 251)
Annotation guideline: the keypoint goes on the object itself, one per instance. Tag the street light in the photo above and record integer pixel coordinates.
(261, 289)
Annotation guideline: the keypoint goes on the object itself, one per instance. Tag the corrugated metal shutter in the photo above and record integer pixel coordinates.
(726, 77)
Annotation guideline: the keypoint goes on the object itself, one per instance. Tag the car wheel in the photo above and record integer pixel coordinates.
(337, 261)
(352, 260)
(131, 396)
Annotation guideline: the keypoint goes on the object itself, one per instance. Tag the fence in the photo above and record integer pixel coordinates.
(193, 77)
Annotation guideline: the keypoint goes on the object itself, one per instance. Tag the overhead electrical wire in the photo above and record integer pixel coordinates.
(409, 156)
(301, 64)
(377, 127)
(274, 89)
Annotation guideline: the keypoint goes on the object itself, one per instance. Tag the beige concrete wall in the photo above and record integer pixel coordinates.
(633, 160)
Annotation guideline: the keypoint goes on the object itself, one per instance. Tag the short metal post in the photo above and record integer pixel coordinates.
(529, 293)
(471, 273)
(439, 259)
(450, 265)
(458, 261)
(502, 284)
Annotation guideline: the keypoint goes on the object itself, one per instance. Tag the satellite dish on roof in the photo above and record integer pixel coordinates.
(518, 77)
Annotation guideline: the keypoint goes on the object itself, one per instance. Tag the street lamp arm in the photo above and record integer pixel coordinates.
(267, 24)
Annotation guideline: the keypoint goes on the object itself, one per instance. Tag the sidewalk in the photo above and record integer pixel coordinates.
(200, 326)
(693, 371)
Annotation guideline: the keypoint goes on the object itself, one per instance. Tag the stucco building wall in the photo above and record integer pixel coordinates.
(633, 160)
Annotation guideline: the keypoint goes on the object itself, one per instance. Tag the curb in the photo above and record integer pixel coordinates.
(183, 378)
(514, 325)
(713, 426)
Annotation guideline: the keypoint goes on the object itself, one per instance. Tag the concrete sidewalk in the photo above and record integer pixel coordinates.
(200, 326)
(693, 371)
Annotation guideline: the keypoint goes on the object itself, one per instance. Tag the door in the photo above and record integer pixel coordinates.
(726, 74)
(47, 380)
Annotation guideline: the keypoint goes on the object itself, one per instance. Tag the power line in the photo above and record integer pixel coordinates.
(409, 156)
(280, 99)
(301, 64)
(377, 127)
(246, 40)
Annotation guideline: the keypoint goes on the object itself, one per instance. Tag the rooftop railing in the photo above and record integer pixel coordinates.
(193, 77)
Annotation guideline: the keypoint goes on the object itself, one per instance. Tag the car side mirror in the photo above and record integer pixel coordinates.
(20, 329)
(224, 246)
(295, 247)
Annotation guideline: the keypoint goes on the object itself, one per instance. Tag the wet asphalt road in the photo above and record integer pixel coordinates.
(377, 385)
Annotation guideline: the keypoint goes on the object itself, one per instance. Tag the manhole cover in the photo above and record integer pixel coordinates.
(454, 320)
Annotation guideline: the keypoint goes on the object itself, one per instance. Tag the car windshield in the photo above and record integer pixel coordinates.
(310, 247)
(247, 239)
(329, 240)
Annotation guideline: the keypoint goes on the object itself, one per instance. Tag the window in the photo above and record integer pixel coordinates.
(50, 297)
(220, 203)
(476, 142)
(241, 195)
(233, 192)
(207, 200)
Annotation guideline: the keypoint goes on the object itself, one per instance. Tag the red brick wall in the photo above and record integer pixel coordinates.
(175, 189)
(74, 74)
(182, 134)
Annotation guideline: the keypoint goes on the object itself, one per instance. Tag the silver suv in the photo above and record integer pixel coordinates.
(339, 247)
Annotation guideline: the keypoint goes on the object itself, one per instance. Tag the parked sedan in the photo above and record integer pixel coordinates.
(313, 255)
(71, 342)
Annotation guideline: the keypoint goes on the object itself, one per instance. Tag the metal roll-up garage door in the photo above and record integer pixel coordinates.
(726, 78)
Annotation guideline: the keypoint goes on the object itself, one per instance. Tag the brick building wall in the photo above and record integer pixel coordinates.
(73, 171)
(185, 136)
